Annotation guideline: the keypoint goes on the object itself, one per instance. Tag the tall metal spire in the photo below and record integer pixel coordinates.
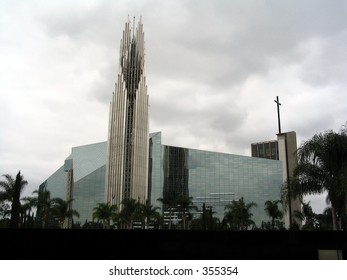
(128, 140)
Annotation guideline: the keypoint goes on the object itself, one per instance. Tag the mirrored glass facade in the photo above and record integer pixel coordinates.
(56, 183)
(88, 163)
(215, 179)
(212, 178)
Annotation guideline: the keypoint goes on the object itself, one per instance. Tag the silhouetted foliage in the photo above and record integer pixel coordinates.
(238, 214)
(273, 211)
(322, 167)
(105, 213)
(11, 191)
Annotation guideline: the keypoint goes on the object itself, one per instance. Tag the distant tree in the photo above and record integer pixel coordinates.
(11, 191)
(27, 217)
(184, 205)
(43, 203)
(150, 213)
(169, 202)
(131, 212)
(307, 216)
(104, 212)
(238, 214)
(325, 219)
(273, 211)
(92, 225)
(5, 212)
(205, 221)
(61, 209)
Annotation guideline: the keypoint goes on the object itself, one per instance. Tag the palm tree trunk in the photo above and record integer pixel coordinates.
(131, 223)
(170, 213)
(333, 214)
(184, 219)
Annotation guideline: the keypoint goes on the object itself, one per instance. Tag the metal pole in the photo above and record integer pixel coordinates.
(278, 114)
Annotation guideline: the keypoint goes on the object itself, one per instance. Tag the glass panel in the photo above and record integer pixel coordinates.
(267, 150)
(254, 150)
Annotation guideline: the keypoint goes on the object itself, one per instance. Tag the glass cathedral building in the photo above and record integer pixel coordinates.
(135, 164)
(208, 177)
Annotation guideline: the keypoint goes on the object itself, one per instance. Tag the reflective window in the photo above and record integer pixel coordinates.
(216, 179)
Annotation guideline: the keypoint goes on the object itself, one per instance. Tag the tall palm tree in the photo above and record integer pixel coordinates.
(238, 214)
(322, 167)
(184, 204)
(43, 203)
(104, 212)
(11, 192)
(169, 202)
(273, 211)
(206, 221)
(131, 212)
(150, 212)
(29, 203)
(27, 206)
(62, 210)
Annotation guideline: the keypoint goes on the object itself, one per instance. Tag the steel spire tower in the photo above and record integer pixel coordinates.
(128, 135)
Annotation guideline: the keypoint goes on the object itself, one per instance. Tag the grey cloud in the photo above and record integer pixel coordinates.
(323, 65)
(242, 39)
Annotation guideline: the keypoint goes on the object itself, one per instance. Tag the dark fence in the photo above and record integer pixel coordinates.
(95, 244)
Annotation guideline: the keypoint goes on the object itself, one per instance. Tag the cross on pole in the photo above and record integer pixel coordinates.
(278, 114)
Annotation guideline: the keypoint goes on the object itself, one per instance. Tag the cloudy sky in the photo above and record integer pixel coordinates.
(213, 71)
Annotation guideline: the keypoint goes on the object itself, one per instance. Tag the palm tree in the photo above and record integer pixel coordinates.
(150, 212)
(324, 220)
(169, 202)
(104, 212)
(271, 208)
(238, 214)
(210, 224)
(131, 212)
(43, 202)
(27, 206)
(206, 221)
(323, 167)
(4, 212)
(11, 192)
(184, 204)
(307, 216)
(62, 210)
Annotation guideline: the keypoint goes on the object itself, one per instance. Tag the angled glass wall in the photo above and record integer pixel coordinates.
(155, 184)
(89, 178)
(56, 183)
(87, 192)
(214, 179)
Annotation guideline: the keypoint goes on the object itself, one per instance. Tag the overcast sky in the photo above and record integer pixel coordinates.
(213, 71)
